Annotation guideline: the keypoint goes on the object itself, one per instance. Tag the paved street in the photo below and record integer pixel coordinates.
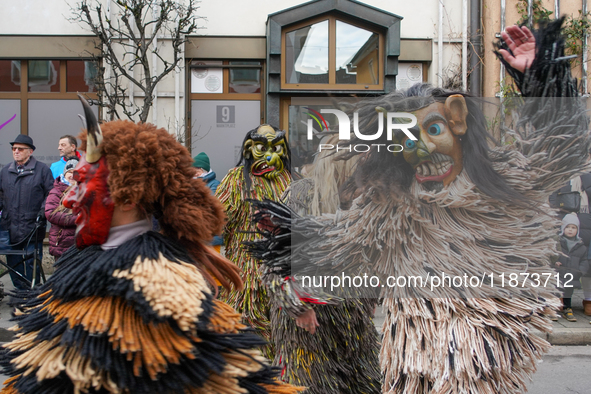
(564, 370)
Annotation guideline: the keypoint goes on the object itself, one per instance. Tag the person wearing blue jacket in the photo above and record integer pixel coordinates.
(204, 172)
(68, 146)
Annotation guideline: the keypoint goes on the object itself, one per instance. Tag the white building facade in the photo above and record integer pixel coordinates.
(247, 63)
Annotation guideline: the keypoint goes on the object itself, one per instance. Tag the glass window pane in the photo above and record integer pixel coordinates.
(357, 55)
(45, 128)
(10, 75)
(302, 149)
(81, 75)
(10, 126)
(245, 80)
(44, 76)
(217, 128)
(306, 54)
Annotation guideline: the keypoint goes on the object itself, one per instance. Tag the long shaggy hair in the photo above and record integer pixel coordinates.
(148, 167)
(391, 173)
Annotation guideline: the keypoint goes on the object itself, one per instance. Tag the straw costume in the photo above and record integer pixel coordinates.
(131, 310)
(325, 343)
(263, 172)
(450, 204)
(325, 189)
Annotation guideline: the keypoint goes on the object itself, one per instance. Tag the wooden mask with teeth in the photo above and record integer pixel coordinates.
(437, 154)
(265, 152)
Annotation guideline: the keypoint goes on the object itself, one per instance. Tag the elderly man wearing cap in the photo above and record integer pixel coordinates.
(24, 185)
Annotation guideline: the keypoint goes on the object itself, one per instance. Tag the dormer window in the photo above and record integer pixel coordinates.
(330, 53)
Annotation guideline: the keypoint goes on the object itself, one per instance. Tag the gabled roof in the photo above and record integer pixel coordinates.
(353, 9)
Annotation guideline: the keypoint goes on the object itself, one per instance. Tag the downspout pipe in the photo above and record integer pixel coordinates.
(530, 14)
(502, 79)
(465, 45)
(585, 57)
(440, 46)
(475, 78)
(107, 75)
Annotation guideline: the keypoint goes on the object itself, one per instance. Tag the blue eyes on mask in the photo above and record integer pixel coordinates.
(434, 129)
(410, 144)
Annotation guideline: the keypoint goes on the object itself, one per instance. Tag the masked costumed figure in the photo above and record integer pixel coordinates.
(130, 310)
(263, 172)
(321, 191)
(325, 343)
(449, 207)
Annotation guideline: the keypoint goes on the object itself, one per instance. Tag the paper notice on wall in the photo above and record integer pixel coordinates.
(207, 80)
(408, 75)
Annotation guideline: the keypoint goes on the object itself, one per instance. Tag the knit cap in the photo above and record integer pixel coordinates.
(571, 218)
(201, 161)
(70, 165)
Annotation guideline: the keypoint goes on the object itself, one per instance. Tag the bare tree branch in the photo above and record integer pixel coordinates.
(126, 43)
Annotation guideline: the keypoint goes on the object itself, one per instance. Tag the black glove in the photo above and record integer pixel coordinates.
(40, 216)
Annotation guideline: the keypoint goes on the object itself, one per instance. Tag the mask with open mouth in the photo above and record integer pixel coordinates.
(436, 170)
(436, 155)
(265, 151)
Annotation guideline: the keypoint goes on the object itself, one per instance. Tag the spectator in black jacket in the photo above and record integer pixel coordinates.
(582, 184)
(24, 184)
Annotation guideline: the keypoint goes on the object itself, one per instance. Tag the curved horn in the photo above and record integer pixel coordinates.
(382, 110)
(94, 136)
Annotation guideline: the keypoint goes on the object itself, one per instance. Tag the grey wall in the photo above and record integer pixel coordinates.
(219, 132)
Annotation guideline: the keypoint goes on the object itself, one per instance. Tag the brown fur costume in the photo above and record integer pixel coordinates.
(140, 317)
(169, 193)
